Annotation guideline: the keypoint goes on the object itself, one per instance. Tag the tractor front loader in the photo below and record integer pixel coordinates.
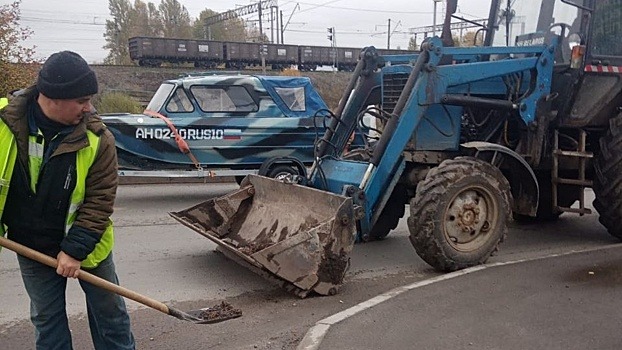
(470, 138)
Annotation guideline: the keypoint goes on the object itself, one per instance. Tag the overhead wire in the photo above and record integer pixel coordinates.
(365, 10)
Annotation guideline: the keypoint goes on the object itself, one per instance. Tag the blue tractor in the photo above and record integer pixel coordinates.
(517, 126)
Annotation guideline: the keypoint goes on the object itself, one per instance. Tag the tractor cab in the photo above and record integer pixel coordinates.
(588, 51)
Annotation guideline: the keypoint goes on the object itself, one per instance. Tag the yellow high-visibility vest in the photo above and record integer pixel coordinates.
(84, 159)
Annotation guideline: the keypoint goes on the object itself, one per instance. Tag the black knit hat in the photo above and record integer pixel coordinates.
(66, 75)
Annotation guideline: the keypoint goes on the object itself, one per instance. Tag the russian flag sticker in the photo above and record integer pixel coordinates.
(233, 134)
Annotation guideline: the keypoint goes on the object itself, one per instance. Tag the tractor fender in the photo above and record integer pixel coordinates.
(522, 179)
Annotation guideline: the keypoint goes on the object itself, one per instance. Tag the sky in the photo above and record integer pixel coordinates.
(79, 25)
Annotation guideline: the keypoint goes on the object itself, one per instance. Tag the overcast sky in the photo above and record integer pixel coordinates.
(79, 25)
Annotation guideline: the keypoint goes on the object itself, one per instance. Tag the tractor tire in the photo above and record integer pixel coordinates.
(460, 214)
(393, 211)
(608, 179)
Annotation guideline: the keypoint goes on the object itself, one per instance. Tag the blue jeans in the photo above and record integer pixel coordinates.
(108, 318)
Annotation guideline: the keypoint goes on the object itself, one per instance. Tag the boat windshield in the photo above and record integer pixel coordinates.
(160, 97)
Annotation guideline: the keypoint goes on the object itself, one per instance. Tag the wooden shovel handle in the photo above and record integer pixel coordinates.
(85, 276)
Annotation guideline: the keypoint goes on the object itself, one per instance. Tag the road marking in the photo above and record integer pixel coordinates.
(314, 336)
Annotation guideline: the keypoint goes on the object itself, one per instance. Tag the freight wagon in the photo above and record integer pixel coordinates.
(152, 52)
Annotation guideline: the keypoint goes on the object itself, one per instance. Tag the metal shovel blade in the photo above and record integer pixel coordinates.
(298, 235)
(215, 314)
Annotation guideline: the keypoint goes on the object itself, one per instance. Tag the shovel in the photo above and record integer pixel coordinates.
(215, 314)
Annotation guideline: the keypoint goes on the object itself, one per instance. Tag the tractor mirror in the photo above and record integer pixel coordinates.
(574, 39)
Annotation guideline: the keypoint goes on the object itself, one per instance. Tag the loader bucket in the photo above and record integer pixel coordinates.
(298, 236)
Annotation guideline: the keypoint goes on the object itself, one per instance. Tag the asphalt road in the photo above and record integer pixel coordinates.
(169, 262)
(561, 302)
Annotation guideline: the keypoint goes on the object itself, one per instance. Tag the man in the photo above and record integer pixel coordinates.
(60, 163)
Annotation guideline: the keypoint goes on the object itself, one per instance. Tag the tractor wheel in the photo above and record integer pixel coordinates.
(460, 214)
(394, 209)
(390, 216)
(608, 178)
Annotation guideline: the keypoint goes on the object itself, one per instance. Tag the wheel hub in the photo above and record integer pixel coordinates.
(467, 218)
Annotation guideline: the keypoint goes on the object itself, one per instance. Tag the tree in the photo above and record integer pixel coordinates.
(17, 64)
(118, 32)
(412, 44)
(175, 19)
(147, 20)
(468, 39)
(229, 30)
(253, 35)
(169, 19)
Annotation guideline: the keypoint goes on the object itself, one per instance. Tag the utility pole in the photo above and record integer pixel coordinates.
(271, 25)
(282, 30)
(389, 35)
(276, 15)
(261, 28)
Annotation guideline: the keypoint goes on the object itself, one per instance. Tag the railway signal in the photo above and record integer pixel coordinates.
(331, 35)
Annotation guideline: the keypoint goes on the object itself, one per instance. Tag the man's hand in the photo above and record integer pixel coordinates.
(67, 266)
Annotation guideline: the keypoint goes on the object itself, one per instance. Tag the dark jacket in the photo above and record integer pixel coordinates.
(49, 205)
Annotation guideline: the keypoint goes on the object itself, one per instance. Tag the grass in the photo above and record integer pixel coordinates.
(116, 102)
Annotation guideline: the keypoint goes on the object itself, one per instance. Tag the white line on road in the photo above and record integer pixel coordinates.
(314, 336)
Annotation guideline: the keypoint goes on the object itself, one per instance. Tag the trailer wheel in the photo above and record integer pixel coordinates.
(608, 178)
(281, 171)
(460, 214)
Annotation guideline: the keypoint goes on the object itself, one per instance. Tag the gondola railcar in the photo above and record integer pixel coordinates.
(153, 51)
